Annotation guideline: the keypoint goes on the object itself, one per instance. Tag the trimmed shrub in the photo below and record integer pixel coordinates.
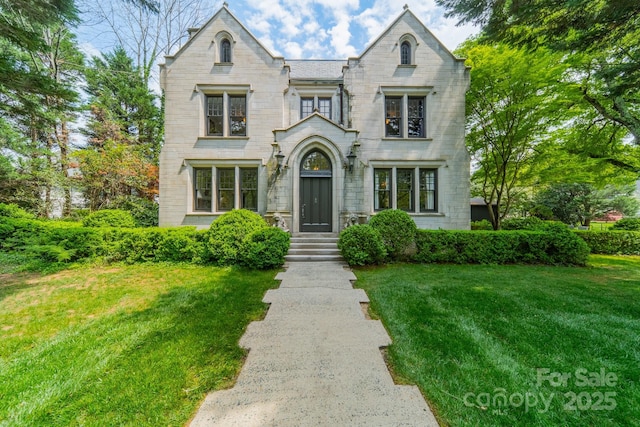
(14, 211)
(109, 218)
(131, 245)
(481, 225)
(528, 223)
(144, 212)
(612, 242)
(227, 235)
(265, 248)
(398, 232)
(361, 244)
(629, 224)
(500, 247)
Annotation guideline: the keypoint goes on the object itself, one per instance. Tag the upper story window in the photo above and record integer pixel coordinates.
(405, 53)
(225, 51)
(226, 114)
(405, 114)
(309, 104)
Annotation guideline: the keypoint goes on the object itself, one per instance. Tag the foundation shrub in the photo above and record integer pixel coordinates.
(528, 223)
(361, 244)
(265, 248)
(109, 218)
(398, 232)
(228, 233)
(612, 242)
(629, 224)
(481, 225)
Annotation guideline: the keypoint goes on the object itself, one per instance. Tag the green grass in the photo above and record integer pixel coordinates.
(121, 345)
(478, 329)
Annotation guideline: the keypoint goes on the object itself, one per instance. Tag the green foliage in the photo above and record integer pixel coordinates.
(109, 218)
(481, 225)
(265, 248)
(228, 233)
(615, 242)
(144, 211)
(361, 244)
(531, 223)
(398, 232)
(631, 224)
(557, 246)
(14, 211)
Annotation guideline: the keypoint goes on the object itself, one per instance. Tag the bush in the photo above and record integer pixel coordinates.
(265, 248)
(109, 218)
(613, 242)
(228, 233)
(501, 247)
(180, 244)
(481, 225)
(14, 211)
(629, 224)
(529, 223)
(144, 212)
(398, 232)
(361, 244)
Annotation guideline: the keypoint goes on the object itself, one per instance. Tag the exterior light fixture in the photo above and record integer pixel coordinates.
(351, 159)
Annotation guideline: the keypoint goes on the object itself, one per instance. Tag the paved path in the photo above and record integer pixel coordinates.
(315, 361)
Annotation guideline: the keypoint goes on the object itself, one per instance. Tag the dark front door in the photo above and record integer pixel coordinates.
(315, 193)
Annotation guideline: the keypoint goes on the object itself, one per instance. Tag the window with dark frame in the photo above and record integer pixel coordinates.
(404, 189)
(202, 189)
(324, 107)
(306, 107)
(428, 192)
(382, 189)
(415, 119)
(226, 181)
(238, 115)
(225, 51)
(249, 188)
(215, 115)
(405, 53)
(393, 116)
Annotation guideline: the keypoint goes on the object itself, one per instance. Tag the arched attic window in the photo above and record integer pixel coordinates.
(225, 50)
(405, 53)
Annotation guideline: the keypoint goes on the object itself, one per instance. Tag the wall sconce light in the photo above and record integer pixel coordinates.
(280, 161)
(351, 159)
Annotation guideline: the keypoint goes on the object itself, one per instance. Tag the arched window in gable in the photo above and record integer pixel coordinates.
(225, 51)
(405, 53)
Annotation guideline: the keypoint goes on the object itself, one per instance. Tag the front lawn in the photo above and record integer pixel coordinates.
(121, 345)
(516, 345)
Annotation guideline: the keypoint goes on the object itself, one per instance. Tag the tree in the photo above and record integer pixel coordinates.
(580, 203)
(600, 40)
(511, 105)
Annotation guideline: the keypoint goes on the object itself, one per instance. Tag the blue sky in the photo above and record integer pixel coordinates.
(305, 29)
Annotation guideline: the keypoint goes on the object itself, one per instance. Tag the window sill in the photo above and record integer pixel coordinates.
(223, 64)
(391, 138)
(214, 137)
(407, 65)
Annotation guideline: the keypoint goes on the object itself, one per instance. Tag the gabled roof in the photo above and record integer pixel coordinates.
(315, 69)
(224, 9)
(314, 116)
(407, 12)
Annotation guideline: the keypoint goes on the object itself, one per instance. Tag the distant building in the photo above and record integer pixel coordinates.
(316, 141)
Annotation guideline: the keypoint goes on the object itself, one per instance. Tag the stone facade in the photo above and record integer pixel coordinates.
(315, 142)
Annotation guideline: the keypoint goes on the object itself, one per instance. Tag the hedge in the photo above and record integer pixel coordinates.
(397, 230)
(612, 242)
(500, 247)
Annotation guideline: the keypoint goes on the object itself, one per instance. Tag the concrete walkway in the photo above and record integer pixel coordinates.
(315, 360)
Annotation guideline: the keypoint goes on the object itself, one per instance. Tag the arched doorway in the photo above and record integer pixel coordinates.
(315, 192)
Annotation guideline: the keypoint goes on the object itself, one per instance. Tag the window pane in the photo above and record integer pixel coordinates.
(226, 189)
(405, 53)
(428, 190)
(214, 115)
(393, 116)
(202, 189)
(306, 107)
(382, 189)
(405, 189)
(416, 117)
(238, 115)
(249, 188)
(316, 161)
(225, 51)
(324, 106)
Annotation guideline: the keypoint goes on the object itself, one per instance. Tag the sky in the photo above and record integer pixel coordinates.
(313, 29)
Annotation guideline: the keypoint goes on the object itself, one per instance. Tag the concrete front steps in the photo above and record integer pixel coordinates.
(314, 247)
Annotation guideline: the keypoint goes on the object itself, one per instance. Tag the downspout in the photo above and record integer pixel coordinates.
(341, 86)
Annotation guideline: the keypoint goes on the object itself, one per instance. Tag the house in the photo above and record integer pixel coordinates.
(318, 143)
